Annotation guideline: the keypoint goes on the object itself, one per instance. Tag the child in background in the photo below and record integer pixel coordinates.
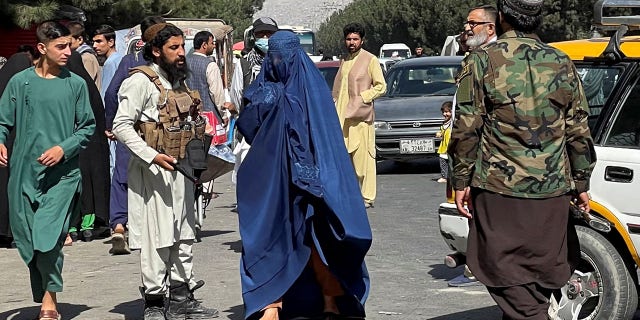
(445, 134)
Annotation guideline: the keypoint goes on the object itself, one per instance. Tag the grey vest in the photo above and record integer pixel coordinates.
(197, 79)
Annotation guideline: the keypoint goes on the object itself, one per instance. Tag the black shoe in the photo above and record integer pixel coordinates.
(154, 313)
(74, 236)
(5, 242)
(183, 305)
(199, 284)
(153, 306)
(87, 235)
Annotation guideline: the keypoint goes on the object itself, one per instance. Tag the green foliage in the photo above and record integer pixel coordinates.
(24, 13)
(566, 20)
(428, 23)
(127, 13)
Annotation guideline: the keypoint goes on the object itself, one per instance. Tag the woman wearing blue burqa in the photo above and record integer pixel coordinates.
(304, 228)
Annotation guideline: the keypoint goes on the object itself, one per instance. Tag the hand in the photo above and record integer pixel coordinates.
(165, 161)
(438, 134)
(110, 135)
(463, 196)
(4, 161)
(583, 202)
(51, 157)
(231, 107)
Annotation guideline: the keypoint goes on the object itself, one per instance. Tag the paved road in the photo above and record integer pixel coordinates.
(405, 263)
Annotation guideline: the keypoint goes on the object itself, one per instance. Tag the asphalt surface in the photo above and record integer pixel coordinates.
(405, 262)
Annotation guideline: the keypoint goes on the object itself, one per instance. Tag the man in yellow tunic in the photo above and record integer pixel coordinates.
(359, 81)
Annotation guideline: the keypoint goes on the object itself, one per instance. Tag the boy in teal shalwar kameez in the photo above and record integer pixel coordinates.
(48, 107)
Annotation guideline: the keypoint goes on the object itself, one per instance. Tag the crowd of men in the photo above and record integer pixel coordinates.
(116, 138)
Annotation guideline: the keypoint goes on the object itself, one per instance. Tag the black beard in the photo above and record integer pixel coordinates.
(174, 72)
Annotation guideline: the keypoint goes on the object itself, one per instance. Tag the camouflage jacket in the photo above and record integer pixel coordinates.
(521, 121)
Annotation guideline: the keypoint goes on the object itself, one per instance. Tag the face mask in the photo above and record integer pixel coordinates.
(262, 44)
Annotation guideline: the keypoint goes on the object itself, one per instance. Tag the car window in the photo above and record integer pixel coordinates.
(422, 80)
(598, 83)
(329, 75)
(625, 131)
(396, 53)
(306, 41)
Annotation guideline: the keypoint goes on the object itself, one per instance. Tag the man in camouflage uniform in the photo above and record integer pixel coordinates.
(479, 30)
(521, 148)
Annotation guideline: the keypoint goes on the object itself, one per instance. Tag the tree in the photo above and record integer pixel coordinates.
(126, 13)
(428, 23)
(25, 13)
(567, 19)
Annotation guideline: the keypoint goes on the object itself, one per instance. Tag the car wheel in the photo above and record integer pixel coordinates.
(601, 286)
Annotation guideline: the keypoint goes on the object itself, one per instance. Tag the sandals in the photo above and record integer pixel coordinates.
(49, 315)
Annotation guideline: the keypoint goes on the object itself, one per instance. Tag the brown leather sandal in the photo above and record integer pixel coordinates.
(49, 315)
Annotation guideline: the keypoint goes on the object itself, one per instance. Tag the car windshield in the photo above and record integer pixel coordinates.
(422, 80)
(598, 83)
(396, 53)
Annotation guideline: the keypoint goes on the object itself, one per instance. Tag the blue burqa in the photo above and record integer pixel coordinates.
(297, 188)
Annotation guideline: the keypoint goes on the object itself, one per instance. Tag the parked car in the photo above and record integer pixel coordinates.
(395, 50)
(329, 69)
(605, 283)
(408, 115)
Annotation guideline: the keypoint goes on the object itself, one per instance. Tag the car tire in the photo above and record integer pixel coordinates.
(601, 288)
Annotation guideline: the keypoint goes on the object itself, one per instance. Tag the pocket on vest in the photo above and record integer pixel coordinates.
(358, 110)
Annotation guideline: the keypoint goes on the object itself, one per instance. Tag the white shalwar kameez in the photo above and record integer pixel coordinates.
(161, 202)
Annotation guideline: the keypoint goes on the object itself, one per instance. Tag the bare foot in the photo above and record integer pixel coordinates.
(270, 314)
(68, 242)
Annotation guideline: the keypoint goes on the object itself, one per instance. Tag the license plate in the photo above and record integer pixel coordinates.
(417, 146)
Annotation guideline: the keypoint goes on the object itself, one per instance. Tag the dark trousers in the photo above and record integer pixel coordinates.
(523, 302)
(520, 248)
(118, 204)
(444, 167)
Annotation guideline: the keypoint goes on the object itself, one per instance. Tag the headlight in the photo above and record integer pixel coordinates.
(381, 125)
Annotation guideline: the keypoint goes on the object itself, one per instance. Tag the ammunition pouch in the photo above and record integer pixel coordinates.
(196, 154)
(172, 139)
(179, 119)
(151, 133)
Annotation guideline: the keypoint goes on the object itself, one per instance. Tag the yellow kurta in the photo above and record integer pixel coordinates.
(359, 136)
